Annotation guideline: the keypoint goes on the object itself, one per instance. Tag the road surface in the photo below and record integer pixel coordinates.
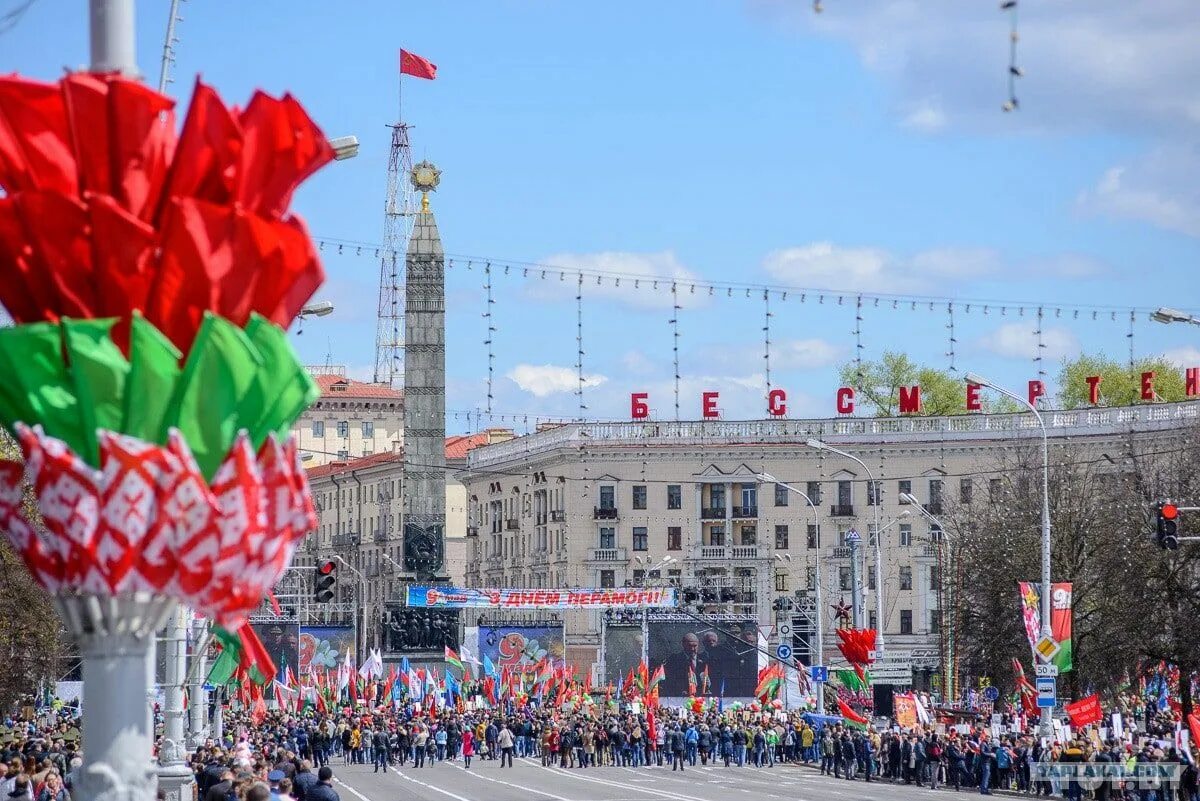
(529, 781)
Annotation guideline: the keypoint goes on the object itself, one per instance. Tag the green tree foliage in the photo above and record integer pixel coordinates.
(1119, 385)
(32, 640)
(879, 384)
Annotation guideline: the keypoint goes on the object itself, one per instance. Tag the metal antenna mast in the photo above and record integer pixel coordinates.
(397, 226)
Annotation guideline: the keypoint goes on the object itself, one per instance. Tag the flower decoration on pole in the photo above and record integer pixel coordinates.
(148, 379)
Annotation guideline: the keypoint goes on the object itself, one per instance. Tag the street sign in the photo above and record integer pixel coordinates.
(899, 673)
(1048, 670)
(853, 536)
(785, 631)
(784, 652)
(208, 688)
(818, 673)
(872, 655)
(1046, 648)
(990, 693)
(1047, 690)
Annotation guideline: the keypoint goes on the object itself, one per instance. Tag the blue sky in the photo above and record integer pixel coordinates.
(861, 150)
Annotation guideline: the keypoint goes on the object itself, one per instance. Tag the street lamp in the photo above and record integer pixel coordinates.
(767, 478)
(1047, 728)
(1166, 315)
(881, 621)
(344, 147)
(949, 667)
(321, 308)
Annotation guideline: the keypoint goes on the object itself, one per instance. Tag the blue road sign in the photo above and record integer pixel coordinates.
(853, 536)
(818, 673)
(784, 652)
(1047, 690)
(990, 693)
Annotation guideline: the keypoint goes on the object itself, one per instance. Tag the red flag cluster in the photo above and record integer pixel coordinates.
(1025, 690)
(857, 646)
(108, 210)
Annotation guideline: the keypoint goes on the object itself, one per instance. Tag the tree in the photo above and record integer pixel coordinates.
(32, 639)
(878, 384)
(1120, 385)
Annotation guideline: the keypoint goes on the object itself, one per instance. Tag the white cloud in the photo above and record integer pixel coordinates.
(927, 117)
(548, 379)
(1183, 357)
(1159, 188)
(824, 265)
(1018, 341)
(638, 363)
(1126, 67)
(641, 280)
(804, 354)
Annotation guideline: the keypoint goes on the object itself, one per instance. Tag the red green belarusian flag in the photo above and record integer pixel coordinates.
(453, 659)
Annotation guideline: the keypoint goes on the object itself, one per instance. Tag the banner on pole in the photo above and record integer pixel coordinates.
(1060, 619)
(465, 598)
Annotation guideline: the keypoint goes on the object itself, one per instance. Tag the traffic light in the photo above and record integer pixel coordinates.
(323, 583)
(1167, 532)
(783, 604)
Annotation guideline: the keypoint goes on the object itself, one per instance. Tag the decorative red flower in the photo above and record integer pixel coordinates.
(107, 209)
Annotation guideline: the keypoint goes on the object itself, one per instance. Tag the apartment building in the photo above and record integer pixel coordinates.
(350, 420)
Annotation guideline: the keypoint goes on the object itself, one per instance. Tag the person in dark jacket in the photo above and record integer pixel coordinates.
(323, 789)
(305, 780)
(379, 749)
(677, 742)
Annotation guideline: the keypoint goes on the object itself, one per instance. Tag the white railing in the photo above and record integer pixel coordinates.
(845, 430)
(745, 551)
(607, 555)
(712, 552)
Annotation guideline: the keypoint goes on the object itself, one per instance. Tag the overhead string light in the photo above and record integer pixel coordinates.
(950, 328)
(1014, 72)
(1039, 335)
(491, 334)
(858, 345)
(579, 344)
(675, 308)
(767, 338)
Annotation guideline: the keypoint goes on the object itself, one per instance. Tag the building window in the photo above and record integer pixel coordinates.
(871, 577)
(871, 619)
(874, 491)
(608, 538)
(935, 621)
(994, 489)
(814, 540)
(906, 535)
(749, 497)
(674, 538)
(781, 582)
(641, 541)
(368, 428)
(343, 456)
(813, 490)
(904, 488)
(964, 490)
(639, 496)
(343, 428)
(906, 621)
(935, 492)
(935, 578)
(906, 577)
(844, 578)
(716, 496)
(318, 428)
(845, 494)
(608, 497)
(608, 579)
(716, 536)
(781, 495)
(674, 496)
(810, 578)
(639, 577)
(749, 535)
(781, 537)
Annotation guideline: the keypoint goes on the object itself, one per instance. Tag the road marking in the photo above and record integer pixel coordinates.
(662, 793)
(536, 791)
(400, 775)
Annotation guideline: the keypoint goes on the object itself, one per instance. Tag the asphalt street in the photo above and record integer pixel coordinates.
(529, 781)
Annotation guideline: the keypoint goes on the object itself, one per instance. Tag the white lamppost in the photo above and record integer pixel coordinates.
(362, 598)
(881, 621)
(949, 672)
(1047, 728)
(1166, 315)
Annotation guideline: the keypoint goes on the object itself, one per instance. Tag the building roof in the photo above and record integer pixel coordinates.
(338, 386)
(457, 448)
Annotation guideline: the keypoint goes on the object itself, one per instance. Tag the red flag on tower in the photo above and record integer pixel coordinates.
(412, 64)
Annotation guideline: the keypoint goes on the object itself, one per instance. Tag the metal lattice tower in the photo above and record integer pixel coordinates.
(397, 226)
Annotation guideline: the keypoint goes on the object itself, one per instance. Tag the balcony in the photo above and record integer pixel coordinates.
(716, 513)
(381, 535)
(744, 551)
(512, 524)
(930, 549)
(607, 555)
(719, 552)
(841, 552)
(745, 512)
(604, 513)
(493, 562)
(558, 516)
(841, 510)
